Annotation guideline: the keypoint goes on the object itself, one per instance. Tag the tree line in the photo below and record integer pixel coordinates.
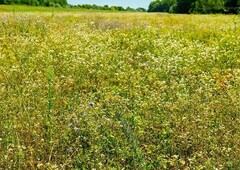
(171, 6)
(106, 7)
(195, 6)
(63, 3)
(60, 3)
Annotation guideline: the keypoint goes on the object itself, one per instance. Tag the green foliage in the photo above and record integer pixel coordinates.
(119, 91)
(184, 6)
(162, 6)
(209, 6)
(106, 7)
(195, 6)
(57, 3)
(26, 8)
(233, 6)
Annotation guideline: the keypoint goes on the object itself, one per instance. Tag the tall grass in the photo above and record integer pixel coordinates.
(165, 89)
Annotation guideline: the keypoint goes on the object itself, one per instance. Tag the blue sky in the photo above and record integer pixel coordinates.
(123, 3)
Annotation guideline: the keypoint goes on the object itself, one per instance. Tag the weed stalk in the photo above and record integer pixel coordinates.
(138, 155)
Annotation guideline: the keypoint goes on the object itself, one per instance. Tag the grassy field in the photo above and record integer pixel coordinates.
(119, 91)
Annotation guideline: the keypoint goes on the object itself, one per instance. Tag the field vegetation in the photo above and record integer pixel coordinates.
(119, 91)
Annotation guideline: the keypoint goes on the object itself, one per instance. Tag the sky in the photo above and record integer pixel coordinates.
(123, 3)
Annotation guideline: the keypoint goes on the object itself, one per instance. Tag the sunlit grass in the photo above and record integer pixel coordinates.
(119, 91)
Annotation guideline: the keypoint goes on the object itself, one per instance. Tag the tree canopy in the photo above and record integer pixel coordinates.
(36, 2)
(106, 7)
(63, 3)
(195, 6)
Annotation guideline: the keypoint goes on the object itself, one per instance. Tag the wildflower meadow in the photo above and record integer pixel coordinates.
(94, 90)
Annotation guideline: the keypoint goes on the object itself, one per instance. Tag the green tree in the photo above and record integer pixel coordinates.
(195, 6)
(141, 9)
(119, 8)
(106, 7)
(36, 2)
(209, 6)
(184, 6)
(232, 6)
(162, 6)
